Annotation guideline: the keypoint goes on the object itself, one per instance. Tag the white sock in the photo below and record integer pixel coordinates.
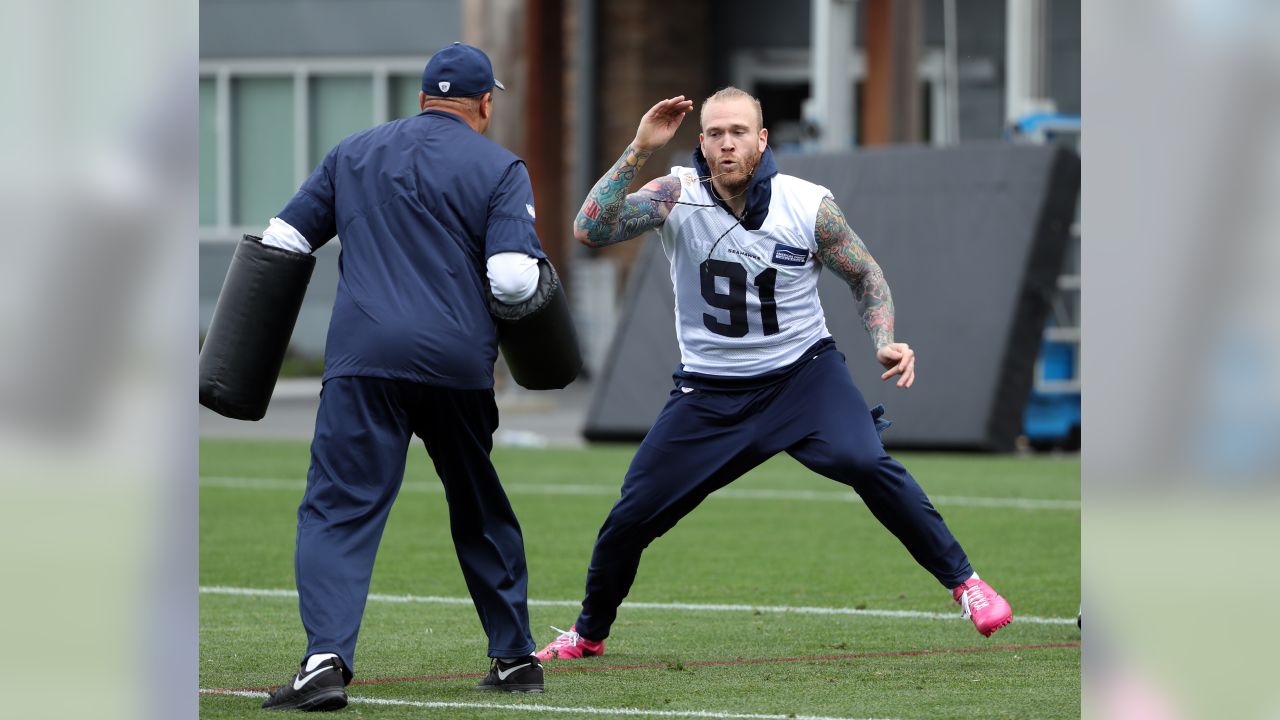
(314, 661)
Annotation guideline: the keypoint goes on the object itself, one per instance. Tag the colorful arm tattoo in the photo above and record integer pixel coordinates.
(840, 249)
(609, 215)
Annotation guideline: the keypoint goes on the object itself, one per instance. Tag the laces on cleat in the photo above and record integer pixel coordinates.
(980, 603)
(972, 600)
(570, 645)
(567, 638)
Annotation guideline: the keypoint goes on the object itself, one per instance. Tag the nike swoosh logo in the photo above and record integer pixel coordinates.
(299, 681)
(504, 674)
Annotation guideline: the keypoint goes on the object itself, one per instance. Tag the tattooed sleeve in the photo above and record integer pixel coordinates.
(609, 215)
(841, 250)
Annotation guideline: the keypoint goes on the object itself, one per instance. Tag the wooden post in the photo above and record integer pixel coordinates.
(890, 108)
(544, 125)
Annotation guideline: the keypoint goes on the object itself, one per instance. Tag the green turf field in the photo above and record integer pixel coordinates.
(783, 543)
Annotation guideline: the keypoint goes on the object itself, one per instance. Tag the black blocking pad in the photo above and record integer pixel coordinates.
(537, 337)
(250, 329)
(971, 239)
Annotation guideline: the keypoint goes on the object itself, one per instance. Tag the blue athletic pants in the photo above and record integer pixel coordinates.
(707, 438)
(363, 429)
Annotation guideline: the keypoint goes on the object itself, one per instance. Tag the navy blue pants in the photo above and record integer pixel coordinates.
(707, 438)
(363, 429)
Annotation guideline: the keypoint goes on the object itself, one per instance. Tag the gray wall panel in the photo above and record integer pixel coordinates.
(630, 393)
(306, 28)
(970, 239)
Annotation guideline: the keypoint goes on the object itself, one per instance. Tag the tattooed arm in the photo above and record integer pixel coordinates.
(841, 250)
(609, 215)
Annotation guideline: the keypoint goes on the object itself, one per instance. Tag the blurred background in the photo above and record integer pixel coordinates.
(282, 81)
(113, 253)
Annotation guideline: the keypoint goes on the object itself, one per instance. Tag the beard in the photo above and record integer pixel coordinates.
(735, 181)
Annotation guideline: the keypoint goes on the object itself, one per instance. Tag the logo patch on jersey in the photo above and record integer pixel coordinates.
(444, 86)
(532, 214)
(787, 255)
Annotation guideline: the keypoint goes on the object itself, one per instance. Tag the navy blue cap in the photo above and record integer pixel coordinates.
(459, 70)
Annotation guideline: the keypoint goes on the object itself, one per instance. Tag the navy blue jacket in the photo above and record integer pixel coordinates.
(420, 204)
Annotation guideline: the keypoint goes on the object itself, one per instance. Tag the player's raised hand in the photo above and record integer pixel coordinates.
(659, 125)
(899, 359)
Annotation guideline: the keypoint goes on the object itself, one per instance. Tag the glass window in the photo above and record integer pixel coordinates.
(262, 148)
(208, 152)
(403, 95)
(340, 105)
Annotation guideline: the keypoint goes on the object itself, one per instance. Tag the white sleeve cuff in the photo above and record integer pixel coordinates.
(513, 277)
(281, 234)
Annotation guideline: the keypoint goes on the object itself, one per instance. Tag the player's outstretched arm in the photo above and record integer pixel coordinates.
(841, 250)
(609, 215)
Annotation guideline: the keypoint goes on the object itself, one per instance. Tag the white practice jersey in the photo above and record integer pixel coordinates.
(750, 306)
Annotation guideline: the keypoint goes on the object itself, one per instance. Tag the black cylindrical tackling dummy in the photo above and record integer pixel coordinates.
(251, 327)
(537, 336)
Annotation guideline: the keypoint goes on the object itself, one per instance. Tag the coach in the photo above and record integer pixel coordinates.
(434, 219)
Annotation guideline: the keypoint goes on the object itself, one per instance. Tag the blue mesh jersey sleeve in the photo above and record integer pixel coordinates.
(310, 210)
(511, 215)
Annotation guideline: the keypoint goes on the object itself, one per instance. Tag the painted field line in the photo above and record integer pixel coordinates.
(744, 661)
(683, 607)
(612, 712)
(612, 491)
(592, 667)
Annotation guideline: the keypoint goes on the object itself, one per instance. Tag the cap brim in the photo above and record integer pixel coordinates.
(498, 84)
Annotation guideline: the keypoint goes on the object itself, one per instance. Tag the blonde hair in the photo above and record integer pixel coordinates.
(731, 93)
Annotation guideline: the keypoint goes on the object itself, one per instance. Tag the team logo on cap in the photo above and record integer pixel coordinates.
(444, 86)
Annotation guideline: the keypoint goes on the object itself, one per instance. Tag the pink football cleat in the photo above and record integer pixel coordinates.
(983, 605)
(570, 645)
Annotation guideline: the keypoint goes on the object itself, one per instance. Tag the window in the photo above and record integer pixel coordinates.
(404, 95)
(262, 149)
(266, 124)
(780, 77)
(339, 106)
(208, 152)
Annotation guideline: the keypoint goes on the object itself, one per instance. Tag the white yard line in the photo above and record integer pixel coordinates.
(681, 607)
(522, 707)
(612, 491)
